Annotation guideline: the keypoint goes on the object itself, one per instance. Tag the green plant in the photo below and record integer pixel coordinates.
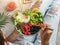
(3, 20)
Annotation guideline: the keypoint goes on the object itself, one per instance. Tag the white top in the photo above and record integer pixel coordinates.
(10, 27)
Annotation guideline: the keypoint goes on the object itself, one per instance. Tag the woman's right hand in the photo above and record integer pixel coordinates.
(45, 35)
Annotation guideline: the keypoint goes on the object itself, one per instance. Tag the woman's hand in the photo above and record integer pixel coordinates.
(46, 33)
(12, 37)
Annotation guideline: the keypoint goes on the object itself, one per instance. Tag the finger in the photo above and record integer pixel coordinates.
(42, 25)
(47, 31)
(48, 34)
(41, 32)
(48, 26)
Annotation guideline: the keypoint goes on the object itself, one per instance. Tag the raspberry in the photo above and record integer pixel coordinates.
(24, 32)
(26, 27)
(29, 33)
(30, 24)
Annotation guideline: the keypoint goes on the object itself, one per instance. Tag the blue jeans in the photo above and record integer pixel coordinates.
(52, 17)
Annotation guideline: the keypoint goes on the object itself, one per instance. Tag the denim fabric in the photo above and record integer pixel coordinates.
(52, 17)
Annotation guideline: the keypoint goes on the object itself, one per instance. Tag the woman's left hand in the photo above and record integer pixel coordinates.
(12, 37)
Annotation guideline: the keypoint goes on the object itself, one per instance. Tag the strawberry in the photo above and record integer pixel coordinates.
(11, 6)
(29, 33)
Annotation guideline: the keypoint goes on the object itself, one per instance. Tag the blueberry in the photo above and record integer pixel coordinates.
(34, 29)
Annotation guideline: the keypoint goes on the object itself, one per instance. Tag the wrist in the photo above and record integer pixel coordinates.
(16, 33)
(45, 43)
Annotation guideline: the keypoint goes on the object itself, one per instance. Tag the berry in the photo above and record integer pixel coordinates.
(30, 24)
(34, 29)
(30, 29)
(29, 33)
(24, 32)
(26, 27)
